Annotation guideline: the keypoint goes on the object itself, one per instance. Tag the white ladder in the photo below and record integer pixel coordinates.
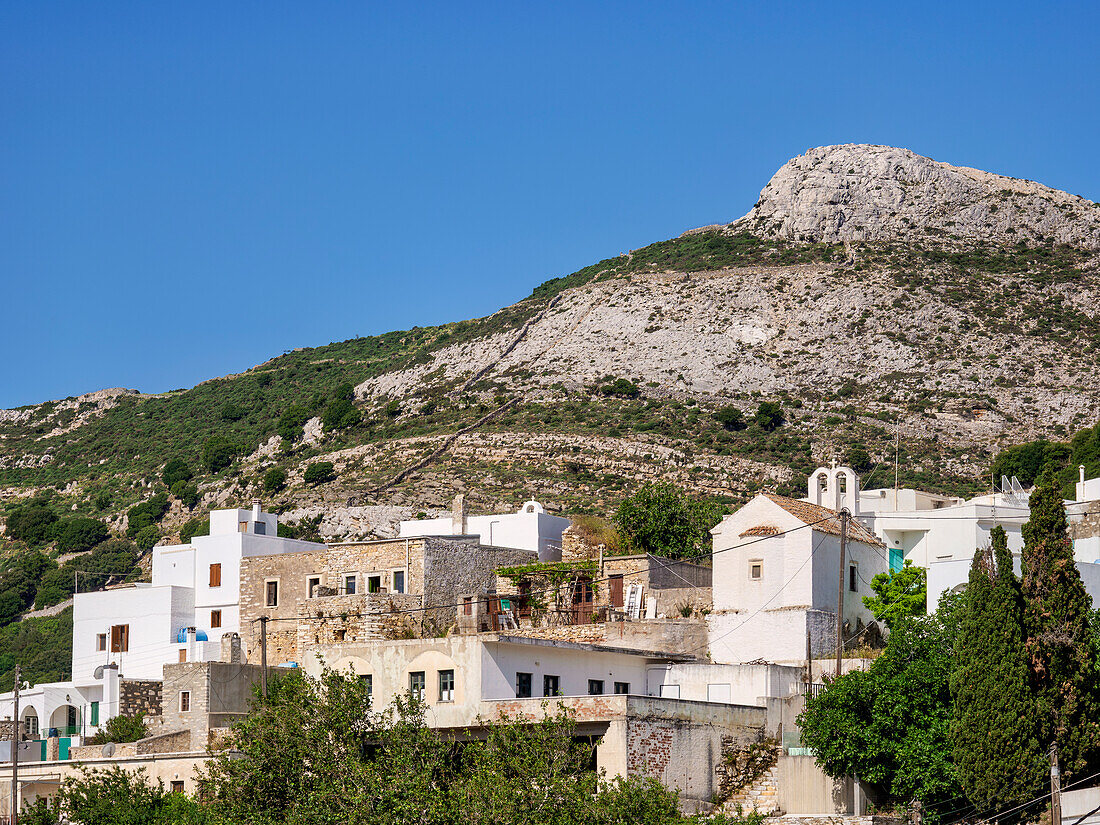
(634, 601)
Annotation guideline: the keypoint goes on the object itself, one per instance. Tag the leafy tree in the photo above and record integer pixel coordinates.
(1029, 461)
(147, 538)
(103, 499)
(392, 408)
(340, 414)
(186, 492)
(198, 526)
(318, 473)
(119, 797)
(233, 412)
(19, 582)
(621, 387)
(994, 736)
(1057, 612)
(291, 422)
(898, 594)
(661, 519)
(275, 479)
(859, 460)
(121, 729)
(43, 647)
(769, 416)
(176, 471)
(146, 514)
(33, 523)
(345, 392)
(218, 453)
(79, 534)
(730, 418)
(890, 724)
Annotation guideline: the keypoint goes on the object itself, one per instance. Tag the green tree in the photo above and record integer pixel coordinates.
(1057, 613)
(274, 479)
(769, 416)
(994, 738)
(32, 523)
(340, 414)
(79, 534)
(730, 418)
(197, 526)
(147, 514)
(291, 422)
(661, 519)
(176, 471)
(218, 453)
(186, 492)
(859, 460)
(119, 797)
(319, 472)
(898, 594)
(121, 729)
(890, 724)
(147, 538)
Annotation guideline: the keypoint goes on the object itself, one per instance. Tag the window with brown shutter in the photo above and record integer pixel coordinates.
(215, 575)
(215, 618)
(120, 638)
(272, 594)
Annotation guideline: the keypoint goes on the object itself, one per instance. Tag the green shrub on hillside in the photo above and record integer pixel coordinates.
(218, 453)
(32, 523)
(291, 422)
(42, 647)
(730, 418)
(147, 538)
(274, 479)
(769, 416)
(340, 414)
(79, 534)
(146, 514)
(186, 492)
(176, 471)
(198, 526)
(318, 473)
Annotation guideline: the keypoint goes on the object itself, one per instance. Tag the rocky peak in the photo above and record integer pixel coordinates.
(860, 192)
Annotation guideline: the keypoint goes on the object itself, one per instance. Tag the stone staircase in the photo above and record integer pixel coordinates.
(761, 795)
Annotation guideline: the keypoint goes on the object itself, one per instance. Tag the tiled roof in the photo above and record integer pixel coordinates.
(761, 530)
(823, 519)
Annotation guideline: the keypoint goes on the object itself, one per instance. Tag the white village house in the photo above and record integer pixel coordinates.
(531, 528)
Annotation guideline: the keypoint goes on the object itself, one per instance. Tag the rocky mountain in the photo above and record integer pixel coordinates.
(871, 293)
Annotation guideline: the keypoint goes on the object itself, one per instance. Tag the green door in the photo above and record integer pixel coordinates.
(95, 713)
(897, 558)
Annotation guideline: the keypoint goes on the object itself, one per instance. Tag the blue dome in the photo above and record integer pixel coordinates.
(200, 636)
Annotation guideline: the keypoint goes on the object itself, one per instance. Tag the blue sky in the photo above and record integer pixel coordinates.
(189, 189)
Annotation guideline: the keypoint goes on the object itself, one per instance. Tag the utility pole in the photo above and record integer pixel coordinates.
(263, 655)
(844, 516)
(1055, 787)
(15, 753)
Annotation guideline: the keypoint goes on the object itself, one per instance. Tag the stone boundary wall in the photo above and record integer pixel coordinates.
(139, 696)
(361, 617)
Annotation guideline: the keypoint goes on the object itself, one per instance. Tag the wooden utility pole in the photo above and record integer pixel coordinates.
(263, 655)
(15, 754)
(1055, 787)
(844, 516)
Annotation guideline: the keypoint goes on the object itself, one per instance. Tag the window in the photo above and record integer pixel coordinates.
(94, 714)
(101, 641)
(622, 688)
(185, 701)
(468, 606)
(446, 686)
(272, 594)
(670, 691)
(615, 590)
(719, 692)
(416, 685)
(374, 584)
(756, 569)
(215, 618)
(853, 573)
(349, 584)
(260, 528)
(312, 583)
(242, 526)
(399, 581)
(183, 654)
(368, 685)
(215, 575)
(120, 638)
(595, 687)
(550, 686)
(177, 786)
(30, 723)
(523, 685)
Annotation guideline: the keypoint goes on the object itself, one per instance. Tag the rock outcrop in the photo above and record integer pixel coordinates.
(858, 192)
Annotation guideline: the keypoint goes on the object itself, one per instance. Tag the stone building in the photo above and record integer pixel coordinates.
(359, 591)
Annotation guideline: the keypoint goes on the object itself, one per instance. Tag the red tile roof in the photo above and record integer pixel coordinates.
(823, 519)
(761, 530)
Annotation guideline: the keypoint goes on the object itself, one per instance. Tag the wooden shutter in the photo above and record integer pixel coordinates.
(215, 575)
(120, 638)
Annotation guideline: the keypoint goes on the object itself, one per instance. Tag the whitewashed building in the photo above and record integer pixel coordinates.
(531, 528)
(777, 574)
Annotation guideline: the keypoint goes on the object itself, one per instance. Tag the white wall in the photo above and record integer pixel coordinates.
(530, 529)
(738, 684)
(154, 614)
(947, 575)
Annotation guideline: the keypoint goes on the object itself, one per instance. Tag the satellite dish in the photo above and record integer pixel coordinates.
(98, 672)
(108, 750)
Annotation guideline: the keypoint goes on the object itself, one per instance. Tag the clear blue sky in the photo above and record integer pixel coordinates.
(187, 189)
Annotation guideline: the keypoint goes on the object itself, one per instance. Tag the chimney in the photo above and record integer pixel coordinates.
(1081, 470)
(458, 515)
(256, 509)
(231, 648)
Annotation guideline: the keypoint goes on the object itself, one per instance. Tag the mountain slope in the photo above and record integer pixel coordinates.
(867, 285)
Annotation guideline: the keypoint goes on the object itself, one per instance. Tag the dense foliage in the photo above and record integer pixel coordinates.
(898, 594)
(661, 519)
(43, 647)
(1030, 461)
(121, 729)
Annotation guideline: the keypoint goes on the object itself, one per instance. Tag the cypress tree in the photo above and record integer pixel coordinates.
(995, 746)
(1059, 644)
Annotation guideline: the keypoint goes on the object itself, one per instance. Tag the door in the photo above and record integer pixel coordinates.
(582, 601)
(615, 588)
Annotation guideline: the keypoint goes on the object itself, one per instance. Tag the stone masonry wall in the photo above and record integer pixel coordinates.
(139, 696)
(453, 569)
(360, 617)
(1088, 526)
